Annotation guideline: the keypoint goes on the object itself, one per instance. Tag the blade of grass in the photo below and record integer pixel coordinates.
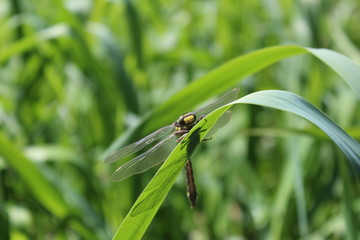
(351, 231)
(291, 181)
(218, 81)
(293, 103)
(29, 42)
(342, 65)
(43, 190)
(299, 186)
(229, 74)
(34, 179)
(144, 209)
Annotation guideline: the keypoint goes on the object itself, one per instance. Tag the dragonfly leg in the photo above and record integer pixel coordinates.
(206, 139)
(181, 133)
(191, 191)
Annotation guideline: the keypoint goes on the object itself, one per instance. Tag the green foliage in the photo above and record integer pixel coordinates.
(81, 78)
(137, 220)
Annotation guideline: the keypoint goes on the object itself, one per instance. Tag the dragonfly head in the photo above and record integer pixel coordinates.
(185, 122)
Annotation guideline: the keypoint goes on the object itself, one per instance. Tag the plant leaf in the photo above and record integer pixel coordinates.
(228, 75)
(144, 209)
(42, 189)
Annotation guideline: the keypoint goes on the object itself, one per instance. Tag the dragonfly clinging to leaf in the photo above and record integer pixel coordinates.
(168, 136)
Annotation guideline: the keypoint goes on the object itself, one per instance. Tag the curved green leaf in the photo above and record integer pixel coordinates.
(216, 81)
(229, 74)
(342, 65)
(144, 209)
(293, 103)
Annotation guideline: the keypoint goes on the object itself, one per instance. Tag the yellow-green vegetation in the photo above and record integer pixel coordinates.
(79, 79)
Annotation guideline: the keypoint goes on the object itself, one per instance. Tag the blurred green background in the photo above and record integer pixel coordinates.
(77, 75)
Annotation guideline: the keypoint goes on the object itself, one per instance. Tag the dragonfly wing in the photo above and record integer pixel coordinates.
(148, 159)
(137, 146)
(223, 120)
(228, 97)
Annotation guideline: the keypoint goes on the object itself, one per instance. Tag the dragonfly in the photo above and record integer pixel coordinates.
(167, 138)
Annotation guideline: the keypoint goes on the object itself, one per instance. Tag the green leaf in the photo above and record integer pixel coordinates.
(342, 65)
(293, 103)
(218, 80)
(231, 73)
(42, 189)
(29, 42)
(144, 209)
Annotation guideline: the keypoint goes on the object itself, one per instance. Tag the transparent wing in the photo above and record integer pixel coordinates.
(137, 146)
(228, 97)
(223, 120)
(148, 159)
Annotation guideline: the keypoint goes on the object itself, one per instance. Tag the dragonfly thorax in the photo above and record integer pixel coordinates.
(185, 122)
